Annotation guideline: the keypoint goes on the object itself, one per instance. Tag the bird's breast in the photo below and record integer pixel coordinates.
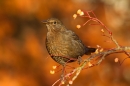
(63, 45)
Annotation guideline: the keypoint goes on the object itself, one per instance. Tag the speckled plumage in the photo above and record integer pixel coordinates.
(63, 45)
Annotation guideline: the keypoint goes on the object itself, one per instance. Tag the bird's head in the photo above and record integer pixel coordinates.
(54, 24)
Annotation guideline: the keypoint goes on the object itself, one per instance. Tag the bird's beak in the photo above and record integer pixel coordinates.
(44, 22)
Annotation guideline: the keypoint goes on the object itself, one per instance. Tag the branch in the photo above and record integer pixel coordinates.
(99, 53)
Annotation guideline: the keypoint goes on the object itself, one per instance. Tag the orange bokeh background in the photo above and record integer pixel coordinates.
(24, 59)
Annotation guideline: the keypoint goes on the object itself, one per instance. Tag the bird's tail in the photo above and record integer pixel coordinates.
(90, 50)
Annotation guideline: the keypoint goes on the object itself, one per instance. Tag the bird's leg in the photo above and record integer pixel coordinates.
(63, 73)
(79, 60)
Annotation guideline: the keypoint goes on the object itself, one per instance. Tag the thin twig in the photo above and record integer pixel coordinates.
(100, 55)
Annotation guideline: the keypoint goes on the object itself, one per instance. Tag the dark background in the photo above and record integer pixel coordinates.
(24, 59)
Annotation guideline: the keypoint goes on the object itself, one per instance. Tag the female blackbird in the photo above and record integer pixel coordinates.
(64, 45)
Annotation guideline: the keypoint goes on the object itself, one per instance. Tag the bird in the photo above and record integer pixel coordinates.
(62, 44)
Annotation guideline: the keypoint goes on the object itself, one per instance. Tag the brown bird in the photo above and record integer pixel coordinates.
(63, 45)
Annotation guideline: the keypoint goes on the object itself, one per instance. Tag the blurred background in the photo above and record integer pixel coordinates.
(24, 59)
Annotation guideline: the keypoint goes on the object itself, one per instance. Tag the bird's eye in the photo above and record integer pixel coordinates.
(55, 22)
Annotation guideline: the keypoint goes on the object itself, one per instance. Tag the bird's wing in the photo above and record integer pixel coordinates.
(79, 43)
(75, 44)
(73, 36)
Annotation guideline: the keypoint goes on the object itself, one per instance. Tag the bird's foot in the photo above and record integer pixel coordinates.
(79, 60)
